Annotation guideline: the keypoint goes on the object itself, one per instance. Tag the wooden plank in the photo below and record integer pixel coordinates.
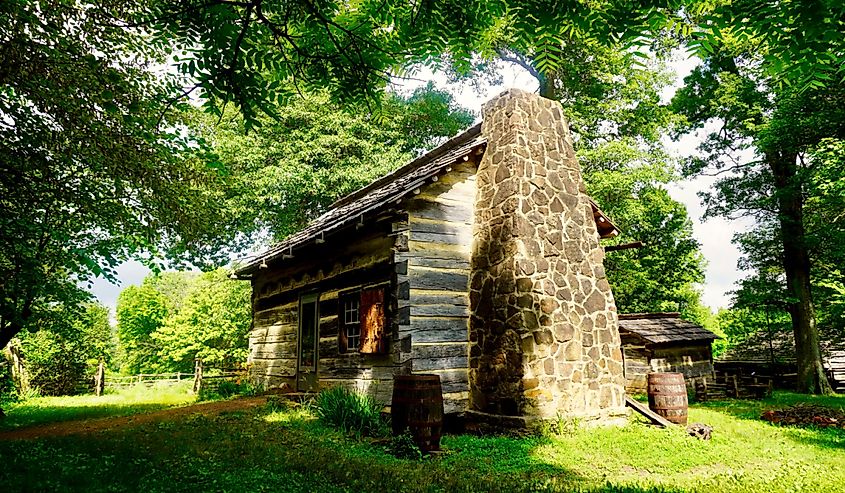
(439, 261)
(655, 418)
(423, 252)
(403, 315)
(328, 347)
(378, 272)
(272, 351)
(453, 405)
(426, 364)
(281, 332)
(286, 317)
(439, 351)
(372, 243)
(424, 324)
(429, 209)
(403, 290)
(442, 238)
(418, 310)
(329, 326)
(446, 280)
(328, 306)
(429, 297)
(439, 227)
(276, 366)
(456, 334)
(272, 339)
(455, 185)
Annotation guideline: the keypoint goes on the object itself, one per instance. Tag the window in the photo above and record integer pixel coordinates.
(350, 320)
(361, 316)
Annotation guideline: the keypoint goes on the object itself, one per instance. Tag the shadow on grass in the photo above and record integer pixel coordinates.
(251, 451)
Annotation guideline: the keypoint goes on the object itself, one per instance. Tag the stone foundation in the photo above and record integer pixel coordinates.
(544, 340)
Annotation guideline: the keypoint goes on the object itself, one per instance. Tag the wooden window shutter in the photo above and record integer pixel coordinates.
(372, 321)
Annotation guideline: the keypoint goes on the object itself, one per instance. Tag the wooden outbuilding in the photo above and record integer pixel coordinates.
(478, 261)
(772, 353)
(663, 342)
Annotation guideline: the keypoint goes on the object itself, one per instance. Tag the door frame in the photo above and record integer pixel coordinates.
(306, 378)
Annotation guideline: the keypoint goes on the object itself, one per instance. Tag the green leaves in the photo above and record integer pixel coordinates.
(96, 167)
(175, 317)
(211, 322)
(288, 171)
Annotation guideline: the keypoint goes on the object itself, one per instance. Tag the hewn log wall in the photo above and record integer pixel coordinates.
(692, 359)
(328, 269)
(432, 277)
(636, 368)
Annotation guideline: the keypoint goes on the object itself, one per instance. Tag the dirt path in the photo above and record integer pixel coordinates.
(78, 427)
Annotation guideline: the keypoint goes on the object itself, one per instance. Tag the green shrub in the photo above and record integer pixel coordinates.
(403, 446)
(54, 363)
(228, 388)
(558, 426)
(351, 411)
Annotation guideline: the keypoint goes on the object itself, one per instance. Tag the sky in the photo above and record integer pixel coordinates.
(714, 234)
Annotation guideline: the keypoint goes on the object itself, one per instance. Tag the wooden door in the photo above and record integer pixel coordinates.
(308, 343)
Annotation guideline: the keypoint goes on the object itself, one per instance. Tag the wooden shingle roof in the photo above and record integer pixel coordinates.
(659, 328)
(390, 188)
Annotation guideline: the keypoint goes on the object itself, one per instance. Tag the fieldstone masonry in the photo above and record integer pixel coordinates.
(544, 339)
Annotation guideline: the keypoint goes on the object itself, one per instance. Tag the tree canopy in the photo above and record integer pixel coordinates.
(211, 324)
(782, 126)
(245, 52)
(93, 166)
(174, 317)
(58, 357)
(293, 166)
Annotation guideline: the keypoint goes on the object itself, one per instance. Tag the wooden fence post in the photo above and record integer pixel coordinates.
(100, 379)
(197, 376)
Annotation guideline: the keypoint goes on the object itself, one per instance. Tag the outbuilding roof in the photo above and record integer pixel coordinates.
(659, 328)
(391, 188)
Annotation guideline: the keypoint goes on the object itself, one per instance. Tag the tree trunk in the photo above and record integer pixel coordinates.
(547, 86)
(796, 264)
(7, 332)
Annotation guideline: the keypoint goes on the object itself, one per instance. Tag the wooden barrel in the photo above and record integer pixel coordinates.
(418, 406)
(667, 396)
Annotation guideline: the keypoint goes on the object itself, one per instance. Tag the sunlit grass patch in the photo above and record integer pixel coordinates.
(283, 447)
(126, 401)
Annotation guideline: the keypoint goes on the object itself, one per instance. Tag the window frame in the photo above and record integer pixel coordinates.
(343, 325)
(344, 347)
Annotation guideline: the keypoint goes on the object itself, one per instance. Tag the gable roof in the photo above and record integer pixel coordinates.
(763, 346)
(390, 188)
(659, 328)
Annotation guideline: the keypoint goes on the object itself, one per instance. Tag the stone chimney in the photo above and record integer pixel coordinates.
(544, 339)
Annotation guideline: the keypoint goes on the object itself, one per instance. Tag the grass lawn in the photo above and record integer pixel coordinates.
(128, 401)
(262, 450)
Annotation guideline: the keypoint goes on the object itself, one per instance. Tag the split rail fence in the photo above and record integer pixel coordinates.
(208, 379)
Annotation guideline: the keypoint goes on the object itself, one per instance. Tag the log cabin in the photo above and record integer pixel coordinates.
(479, 261)
(663, 342)
(772, 353)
